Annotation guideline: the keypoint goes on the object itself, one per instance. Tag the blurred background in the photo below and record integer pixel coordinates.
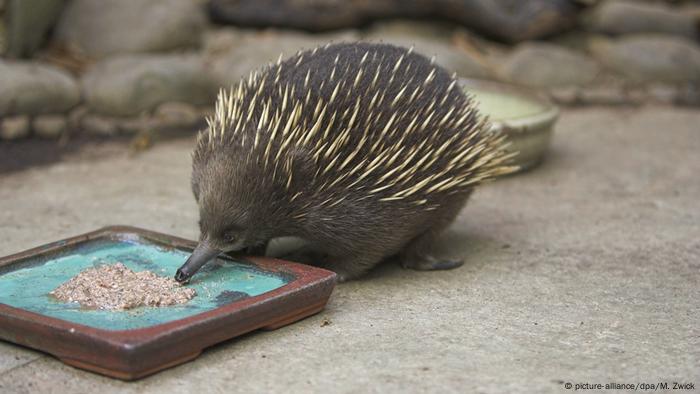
(76, 68)
(585, 269)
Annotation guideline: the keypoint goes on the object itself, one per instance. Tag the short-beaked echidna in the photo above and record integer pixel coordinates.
(364, 150)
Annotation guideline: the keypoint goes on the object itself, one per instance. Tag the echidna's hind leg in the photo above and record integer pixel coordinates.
(350, 266)
(418, 253)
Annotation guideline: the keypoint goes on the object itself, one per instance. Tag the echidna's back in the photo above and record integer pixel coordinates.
(377, 122)
(364, 69)
(382, 80)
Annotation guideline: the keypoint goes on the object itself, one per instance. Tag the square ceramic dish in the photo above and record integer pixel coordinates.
(234, 296)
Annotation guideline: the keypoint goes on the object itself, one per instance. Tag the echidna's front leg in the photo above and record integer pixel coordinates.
(349, 266)
(257, 250)
(346, 266)
(305, 255)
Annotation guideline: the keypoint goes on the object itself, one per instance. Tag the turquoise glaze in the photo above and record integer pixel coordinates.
(26, 285)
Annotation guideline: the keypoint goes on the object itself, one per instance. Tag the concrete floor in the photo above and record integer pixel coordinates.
(585, 270)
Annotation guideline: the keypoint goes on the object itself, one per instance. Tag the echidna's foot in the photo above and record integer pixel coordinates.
(429, 263)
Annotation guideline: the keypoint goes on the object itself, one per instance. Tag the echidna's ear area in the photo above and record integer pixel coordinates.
(374, 120)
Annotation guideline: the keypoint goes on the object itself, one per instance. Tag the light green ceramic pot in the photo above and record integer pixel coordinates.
(525, 116)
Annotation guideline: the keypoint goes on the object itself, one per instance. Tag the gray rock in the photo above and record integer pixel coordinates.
(689, 95)
(222, 40)
(431, 39)
(102, 27)
(235, 59)
(3, 30)
(177, 115)
(99, 125)
(625, 17)
(407, 28)
(49, 126)
(606, 95)
(14, 127)
(317, 15)
(27, 22)
(546, 65)
(691, 9)
(4, 35)
(647, 58)
(136, 125)
(448, 56)
(509, 20)
(75, 117)
(662, 94)
(254, 51)
(565, 95)
(167, 117)
(576, 40)
(130, 84)
(33, 88)
(598, 95)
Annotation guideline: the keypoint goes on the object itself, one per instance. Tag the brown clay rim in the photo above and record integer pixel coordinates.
(305, 276)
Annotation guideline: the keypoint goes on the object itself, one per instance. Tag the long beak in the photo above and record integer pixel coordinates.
(201, 255)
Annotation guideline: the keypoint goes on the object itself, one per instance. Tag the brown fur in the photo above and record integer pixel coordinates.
(364, 150)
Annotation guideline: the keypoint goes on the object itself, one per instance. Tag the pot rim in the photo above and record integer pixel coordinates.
(543, 119)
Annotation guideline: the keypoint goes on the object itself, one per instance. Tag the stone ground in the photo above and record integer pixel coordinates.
(586, 269)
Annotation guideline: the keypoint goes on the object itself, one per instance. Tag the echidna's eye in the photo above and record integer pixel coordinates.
(231, 234)
(230, 238)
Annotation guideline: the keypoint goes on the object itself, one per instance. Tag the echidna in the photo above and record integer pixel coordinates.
(364, 150)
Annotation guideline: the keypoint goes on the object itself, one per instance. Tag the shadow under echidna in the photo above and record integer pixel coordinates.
(366, 151)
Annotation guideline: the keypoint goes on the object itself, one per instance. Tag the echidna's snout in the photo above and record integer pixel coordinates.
(223, 224)
(201, 255)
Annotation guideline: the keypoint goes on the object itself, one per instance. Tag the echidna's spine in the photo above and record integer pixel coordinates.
(373, 129)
